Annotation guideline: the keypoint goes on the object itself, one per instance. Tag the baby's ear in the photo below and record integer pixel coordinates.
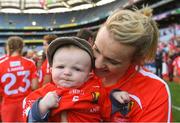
(50, 70)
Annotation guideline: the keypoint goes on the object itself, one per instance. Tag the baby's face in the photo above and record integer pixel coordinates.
(71, 67)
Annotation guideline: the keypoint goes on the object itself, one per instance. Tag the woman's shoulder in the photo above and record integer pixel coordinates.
(148, 82)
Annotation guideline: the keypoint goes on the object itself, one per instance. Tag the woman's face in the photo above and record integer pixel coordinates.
(112, 59)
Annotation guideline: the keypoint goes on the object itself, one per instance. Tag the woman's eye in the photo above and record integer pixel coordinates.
(114, 62)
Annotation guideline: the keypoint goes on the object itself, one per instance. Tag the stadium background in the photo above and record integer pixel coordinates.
(67, 19)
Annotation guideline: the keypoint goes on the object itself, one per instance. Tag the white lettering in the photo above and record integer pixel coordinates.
(75, 98)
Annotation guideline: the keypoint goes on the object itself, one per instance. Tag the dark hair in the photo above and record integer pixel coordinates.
(49, 38)
(85, 34)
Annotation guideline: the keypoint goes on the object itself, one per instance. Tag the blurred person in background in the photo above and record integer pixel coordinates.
(44, 73)
(30, 54)
(1, 58)
(170, 56)
(174, 52)
(86, 34)
(158, 62)
(6, 53)
(176, 64)
(18, 78)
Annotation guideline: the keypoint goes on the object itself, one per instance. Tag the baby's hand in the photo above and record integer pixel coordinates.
(50, 100)
(121, 96)
(120, 101)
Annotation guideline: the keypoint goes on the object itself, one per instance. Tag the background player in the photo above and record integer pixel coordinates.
(18, 78)
(44, 73)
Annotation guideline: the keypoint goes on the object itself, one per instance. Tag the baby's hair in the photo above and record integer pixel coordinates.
(137, 29)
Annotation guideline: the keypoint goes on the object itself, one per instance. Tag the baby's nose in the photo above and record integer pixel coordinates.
(67, 72)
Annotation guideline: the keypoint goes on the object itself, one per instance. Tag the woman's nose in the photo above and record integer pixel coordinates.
(99, 62)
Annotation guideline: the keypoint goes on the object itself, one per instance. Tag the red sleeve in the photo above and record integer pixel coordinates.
(28, 102)
(32, 97)
(159, 109)
(34, 71)
(46, 68)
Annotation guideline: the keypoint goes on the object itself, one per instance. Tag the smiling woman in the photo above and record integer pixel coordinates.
(123, 44)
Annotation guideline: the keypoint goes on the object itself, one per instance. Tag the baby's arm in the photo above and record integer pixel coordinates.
(40, 109)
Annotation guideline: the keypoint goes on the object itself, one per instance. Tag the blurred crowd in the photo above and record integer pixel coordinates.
(167, 61)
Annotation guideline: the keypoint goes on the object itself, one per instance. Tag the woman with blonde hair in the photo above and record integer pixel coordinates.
(126, 41)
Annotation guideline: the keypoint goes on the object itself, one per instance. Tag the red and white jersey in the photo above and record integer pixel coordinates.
(45, 70)
(3, 56)
(176, 63)
(150, 97)
(16, 73)
(82, 104)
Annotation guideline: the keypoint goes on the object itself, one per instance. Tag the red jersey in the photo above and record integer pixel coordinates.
(1, 58)
(150, 95)
(16, 74)
(82, 104)
(45, 70)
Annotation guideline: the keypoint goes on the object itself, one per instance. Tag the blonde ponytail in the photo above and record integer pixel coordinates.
(135, 28)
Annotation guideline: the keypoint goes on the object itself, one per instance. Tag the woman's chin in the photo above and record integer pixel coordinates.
(101, 73)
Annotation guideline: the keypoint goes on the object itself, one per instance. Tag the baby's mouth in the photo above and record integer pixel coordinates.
(68, 80)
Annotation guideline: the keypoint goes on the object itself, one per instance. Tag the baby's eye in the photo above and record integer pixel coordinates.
(60, 67)
(77, 69)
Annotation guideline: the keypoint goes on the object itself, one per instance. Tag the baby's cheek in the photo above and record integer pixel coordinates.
(55, 77)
